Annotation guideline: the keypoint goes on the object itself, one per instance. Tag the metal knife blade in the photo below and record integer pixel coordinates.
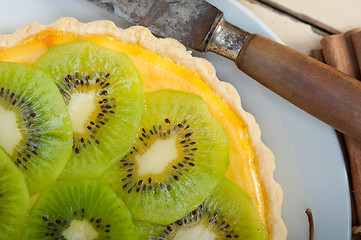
(322, 91)
(189, 21)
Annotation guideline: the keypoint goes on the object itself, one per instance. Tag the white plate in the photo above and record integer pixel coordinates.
(309, 162)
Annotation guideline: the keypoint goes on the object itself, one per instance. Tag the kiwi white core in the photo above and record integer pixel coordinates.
(10, 134)
(80, 230)
(198, 232)
(80, 107)
(157, 157)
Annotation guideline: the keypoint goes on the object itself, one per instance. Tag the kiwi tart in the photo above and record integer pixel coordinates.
(227, 213)
(82, 209)
(166, 64)
(181, 154)
(104, 96)
(14, 198)
(35, 128)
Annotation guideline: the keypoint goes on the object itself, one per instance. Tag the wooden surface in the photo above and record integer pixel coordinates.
(339, 15)
(302, 25)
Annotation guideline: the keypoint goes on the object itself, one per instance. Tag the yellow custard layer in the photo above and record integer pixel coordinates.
(160, 73)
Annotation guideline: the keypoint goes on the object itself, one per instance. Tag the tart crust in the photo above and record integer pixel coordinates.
(176, 52)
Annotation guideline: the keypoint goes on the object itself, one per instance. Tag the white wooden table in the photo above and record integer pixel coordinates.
(342, 15)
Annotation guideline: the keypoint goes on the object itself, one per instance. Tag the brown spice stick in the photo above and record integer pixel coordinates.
(317, 54)
(354, 146)
(341, 53)
(341, 138)
(354, 152)
(356, 40)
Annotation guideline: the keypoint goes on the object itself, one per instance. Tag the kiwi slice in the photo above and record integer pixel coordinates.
(181, 154)
(35, 128)
(14, 198)
(81, 209)
(228, 213)
(105, 98)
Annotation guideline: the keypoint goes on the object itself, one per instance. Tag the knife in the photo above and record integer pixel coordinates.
(322, 91)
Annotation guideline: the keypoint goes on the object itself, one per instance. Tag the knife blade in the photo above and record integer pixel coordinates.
(320, 90)
(181, 20)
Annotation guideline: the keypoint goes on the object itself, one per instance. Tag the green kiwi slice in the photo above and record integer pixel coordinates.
(35, 128)
(14, 198)
(81, 209)
(181, 154)
(105, 98)
(228, 213)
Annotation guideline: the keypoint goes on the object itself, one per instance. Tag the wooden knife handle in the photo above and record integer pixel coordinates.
(324, 92)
